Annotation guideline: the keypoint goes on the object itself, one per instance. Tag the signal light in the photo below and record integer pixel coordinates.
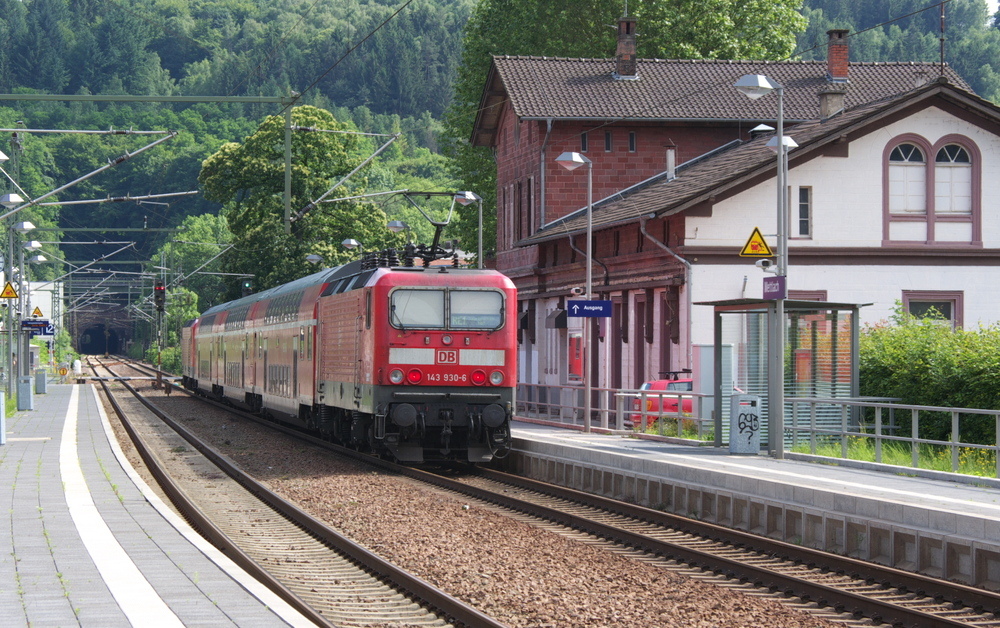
(478, 377)
(159, 295)
(414, 376)
(247, 287)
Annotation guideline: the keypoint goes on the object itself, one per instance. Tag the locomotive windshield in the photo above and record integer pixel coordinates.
(446, 309)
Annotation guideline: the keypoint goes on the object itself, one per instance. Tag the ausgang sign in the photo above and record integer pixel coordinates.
(589, 309)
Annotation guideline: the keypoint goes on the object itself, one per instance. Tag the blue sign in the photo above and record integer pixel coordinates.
(589, 309)
(38, 327)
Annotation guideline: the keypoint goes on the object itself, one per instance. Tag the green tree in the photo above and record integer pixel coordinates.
(194, 253)
(248, 179)
(685, 29)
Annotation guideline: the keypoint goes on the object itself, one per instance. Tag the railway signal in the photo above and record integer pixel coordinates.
(159, 295)
(247, 287)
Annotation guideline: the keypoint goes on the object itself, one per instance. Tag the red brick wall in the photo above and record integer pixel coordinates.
(519, 180)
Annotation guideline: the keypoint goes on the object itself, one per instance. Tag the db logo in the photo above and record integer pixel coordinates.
(446, 356)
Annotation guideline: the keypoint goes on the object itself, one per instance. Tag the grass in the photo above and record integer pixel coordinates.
(681, 428)
(971, 460)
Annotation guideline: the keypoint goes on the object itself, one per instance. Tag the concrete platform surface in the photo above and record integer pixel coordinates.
(89, 544)
(942, 525)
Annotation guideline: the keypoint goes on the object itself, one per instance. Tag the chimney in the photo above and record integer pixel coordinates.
(625, 64)
(836, 55)
(671, 162)
(831, 102)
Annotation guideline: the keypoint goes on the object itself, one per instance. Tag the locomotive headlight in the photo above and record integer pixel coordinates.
(446, 339)
(478, 377)
(414, 376)
(496, 378)
(396, 376)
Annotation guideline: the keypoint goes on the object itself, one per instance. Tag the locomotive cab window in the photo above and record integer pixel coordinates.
(475, 309)
(417, 308)
(446, 309)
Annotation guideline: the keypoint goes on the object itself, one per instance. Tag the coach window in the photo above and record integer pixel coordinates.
(302, 343)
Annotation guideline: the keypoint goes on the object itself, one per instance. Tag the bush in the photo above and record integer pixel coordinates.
(922, 361)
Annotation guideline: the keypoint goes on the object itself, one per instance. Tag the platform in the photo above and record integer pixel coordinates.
(944, 525)
(89, 544)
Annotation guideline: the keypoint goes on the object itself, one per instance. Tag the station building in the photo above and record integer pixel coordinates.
(888, 195)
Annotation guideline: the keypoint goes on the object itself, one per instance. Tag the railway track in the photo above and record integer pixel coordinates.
(327, 577)
(846, 586)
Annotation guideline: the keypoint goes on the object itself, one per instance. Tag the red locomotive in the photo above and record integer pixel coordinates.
(417, 362)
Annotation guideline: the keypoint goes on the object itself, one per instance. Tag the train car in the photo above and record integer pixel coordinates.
(413, 362)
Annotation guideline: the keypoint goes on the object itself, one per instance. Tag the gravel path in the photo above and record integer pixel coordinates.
(519, 574)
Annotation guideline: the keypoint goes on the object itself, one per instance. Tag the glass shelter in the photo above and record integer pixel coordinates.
(820, 358)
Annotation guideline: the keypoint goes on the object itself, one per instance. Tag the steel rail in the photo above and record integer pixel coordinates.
(201, 523)
(447, 605)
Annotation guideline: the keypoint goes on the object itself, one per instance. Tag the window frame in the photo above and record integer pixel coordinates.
(930, 217)
(796, 218)
(956, 297)
(446, 309)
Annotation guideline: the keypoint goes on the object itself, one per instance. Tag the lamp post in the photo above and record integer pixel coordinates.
(25, 395)
(571, 161)
(9, 201)
(465, 198)
(754, 86)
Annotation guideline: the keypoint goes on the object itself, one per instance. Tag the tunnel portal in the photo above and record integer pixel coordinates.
(99, 340)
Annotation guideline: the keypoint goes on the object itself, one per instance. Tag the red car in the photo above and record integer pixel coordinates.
(662, 398)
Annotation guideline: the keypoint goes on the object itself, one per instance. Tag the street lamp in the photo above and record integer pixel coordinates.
(571, 161)
(351, 244)
(754, 86)
(466, 198)
(314, 259)
(396, 226)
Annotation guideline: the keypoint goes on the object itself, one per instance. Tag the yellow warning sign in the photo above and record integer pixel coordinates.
(8, 292)
(37, 312)
(756, 246)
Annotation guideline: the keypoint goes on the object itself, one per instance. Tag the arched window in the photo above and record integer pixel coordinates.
(953, 180)
(931, 192)
(907, 180)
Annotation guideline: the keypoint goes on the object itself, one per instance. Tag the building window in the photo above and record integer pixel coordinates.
(607, 141)
(953, 181)
(946, 306)
(932, 192)
(802, 224)
(583, 142)
(631, 142)
(907, 180)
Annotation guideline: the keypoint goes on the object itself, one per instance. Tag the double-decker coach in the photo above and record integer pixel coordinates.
(416, 362)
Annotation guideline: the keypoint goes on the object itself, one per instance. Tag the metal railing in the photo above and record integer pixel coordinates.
(614, 408)
(878, 423)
